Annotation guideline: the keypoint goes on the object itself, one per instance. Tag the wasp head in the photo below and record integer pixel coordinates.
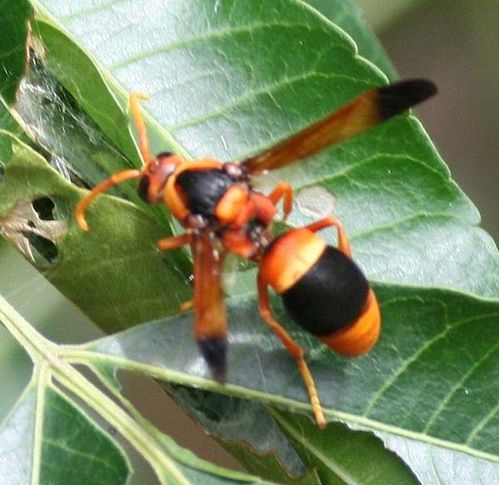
(155, 175)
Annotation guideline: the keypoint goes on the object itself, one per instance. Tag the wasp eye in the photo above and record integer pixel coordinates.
(143, 188)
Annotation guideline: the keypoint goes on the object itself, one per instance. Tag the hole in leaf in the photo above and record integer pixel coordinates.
(46, 250)
(2, 172)
(44, 207)
(315, 202)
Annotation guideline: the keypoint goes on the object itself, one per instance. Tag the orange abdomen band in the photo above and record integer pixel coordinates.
(360, 336)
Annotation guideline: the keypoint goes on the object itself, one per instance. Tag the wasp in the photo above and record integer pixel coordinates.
(322, 288)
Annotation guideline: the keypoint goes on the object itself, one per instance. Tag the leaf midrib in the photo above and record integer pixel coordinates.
(80, 355)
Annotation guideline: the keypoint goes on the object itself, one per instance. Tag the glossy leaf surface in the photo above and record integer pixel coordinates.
(398, 396)
(228, 79)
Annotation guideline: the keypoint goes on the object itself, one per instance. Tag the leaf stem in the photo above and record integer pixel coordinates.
(36, 345)
(49, 364)
(122, 421)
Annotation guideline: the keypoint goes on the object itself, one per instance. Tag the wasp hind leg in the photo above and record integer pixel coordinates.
(294, 350)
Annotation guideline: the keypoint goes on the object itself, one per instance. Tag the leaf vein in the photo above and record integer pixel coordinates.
(85, 11)
(459, 384)
(407, 362)
(216, 34)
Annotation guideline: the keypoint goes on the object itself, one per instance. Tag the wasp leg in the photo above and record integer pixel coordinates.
(174, 242)
(283, 191)
(343, 243)
(186, 306)
(115, 179)
(293, 348)
(135, 97)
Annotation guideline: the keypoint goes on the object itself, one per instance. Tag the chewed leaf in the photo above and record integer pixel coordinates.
(35, 237)
(74, 260)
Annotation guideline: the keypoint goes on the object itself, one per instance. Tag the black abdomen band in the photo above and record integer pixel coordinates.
(330, 296)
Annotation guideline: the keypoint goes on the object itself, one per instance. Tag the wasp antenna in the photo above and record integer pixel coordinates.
(115, 179)
(134, 99)
(214, 351)
(397, 97)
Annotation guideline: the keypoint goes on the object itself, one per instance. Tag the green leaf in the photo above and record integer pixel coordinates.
(256, 100)
(85, 267)
(49, 438)
(46, 430)
(418, 384)
(14, 37)
(13, 45)
(336, 460)
(69, 437)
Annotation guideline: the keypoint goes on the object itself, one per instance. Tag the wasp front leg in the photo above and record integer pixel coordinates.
(283, 191)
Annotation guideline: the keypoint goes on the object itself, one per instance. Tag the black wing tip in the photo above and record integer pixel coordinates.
(399, 96)
(214, 352)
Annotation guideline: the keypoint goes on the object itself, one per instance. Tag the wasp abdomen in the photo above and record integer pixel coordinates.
(323, 290)
(203, 189)
(330, 296)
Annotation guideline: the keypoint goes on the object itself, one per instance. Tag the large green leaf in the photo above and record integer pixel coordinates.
(269, 72)
(430, 391)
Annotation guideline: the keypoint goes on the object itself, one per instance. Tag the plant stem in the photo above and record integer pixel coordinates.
(45, 354)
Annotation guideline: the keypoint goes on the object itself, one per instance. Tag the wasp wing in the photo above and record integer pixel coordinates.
(210, 326)
(361, 114)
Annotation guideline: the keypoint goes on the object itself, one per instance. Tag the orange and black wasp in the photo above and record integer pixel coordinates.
(322, 288)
